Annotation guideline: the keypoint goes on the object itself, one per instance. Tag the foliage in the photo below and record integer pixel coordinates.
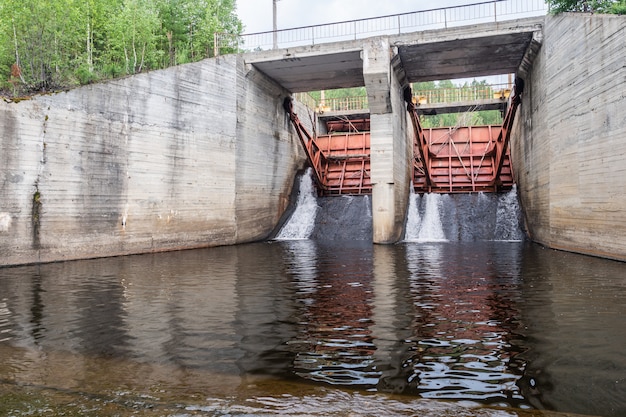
(48, 45)
(339, 93)
(593, 6)
(618, 8)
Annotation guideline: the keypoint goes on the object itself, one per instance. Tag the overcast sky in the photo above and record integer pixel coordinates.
(256, 15)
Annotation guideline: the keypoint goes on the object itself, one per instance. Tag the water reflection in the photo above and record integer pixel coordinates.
(334, 342)
(574, 309)
(464, 317)
(500, 323)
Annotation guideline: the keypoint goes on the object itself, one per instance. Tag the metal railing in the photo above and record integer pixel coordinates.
(433, 96)
(461, 94)
(484, 12)
(343, 104)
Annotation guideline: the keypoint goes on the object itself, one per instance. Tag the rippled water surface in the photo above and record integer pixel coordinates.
(308, 328)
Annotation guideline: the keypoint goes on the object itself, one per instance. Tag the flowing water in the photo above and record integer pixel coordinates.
(321, 327)
(464, 217)
(302, 221)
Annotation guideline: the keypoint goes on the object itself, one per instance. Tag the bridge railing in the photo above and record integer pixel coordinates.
(432, 96)
(483, 12)
(461, 94)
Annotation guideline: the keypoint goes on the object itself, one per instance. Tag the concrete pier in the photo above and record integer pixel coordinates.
(391, 169)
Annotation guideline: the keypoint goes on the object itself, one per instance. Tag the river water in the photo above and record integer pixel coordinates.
(317, 328)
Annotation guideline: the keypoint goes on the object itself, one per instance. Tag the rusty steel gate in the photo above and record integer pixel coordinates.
(445, 160)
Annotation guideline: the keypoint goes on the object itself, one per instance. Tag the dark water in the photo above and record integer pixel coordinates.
(310, 329)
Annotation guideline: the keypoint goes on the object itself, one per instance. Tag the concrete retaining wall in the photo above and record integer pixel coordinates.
(569, 148)
(193, 156)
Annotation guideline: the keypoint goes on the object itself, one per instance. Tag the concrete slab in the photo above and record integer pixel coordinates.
(468, 51)
(304, 70)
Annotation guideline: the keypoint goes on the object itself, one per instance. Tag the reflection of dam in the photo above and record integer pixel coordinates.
(495, 322)
(443, 333)
(463, 348)
(335, 343)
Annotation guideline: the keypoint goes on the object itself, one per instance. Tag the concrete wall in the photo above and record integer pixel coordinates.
(390, 143)
(569, 147)
(196, 155)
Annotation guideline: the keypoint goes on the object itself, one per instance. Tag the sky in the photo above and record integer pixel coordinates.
(256, 15)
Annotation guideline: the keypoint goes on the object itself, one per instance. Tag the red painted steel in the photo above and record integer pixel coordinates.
(446, 160)
(348, 125)
(347, 167)
(461, 160)
(341, 162)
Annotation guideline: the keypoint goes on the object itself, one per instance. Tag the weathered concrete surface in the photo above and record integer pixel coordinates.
(440, 54)
(391, 146)
(196, 155)
(569, 145)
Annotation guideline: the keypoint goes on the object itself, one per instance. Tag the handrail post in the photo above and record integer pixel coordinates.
(495, 11)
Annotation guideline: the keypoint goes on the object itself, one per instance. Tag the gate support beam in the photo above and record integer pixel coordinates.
(391, 151)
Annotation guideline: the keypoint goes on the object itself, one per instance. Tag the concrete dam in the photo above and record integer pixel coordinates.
(203, 154)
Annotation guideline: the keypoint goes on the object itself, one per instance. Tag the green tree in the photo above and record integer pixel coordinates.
(131, 36)
(187, 27)
(56, 44)
(594, 6)
(618, 8)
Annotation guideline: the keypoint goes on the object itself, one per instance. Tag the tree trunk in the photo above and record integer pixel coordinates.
(17, 54)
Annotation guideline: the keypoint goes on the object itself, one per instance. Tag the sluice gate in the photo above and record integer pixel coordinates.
(463, 159)
(459, 159)
(340, 160)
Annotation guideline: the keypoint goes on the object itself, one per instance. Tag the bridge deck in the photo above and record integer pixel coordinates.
(476, 50)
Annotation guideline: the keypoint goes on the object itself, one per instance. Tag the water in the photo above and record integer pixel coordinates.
(426, 227)
(317, 328)
(302, 220)
(327, 218)
(464, 217)
(464, 318)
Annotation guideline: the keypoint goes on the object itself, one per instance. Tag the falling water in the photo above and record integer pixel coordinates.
(464, 217)
(302, 221)
(426, 228)
(509, 217)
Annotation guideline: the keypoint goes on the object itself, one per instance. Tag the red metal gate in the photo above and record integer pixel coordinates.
(446, 160)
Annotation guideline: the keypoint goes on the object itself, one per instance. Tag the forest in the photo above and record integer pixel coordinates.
(54, 45)
(51, 45)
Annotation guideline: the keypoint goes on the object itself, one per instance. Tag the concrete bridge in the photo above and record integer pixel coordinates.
(203, 154)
